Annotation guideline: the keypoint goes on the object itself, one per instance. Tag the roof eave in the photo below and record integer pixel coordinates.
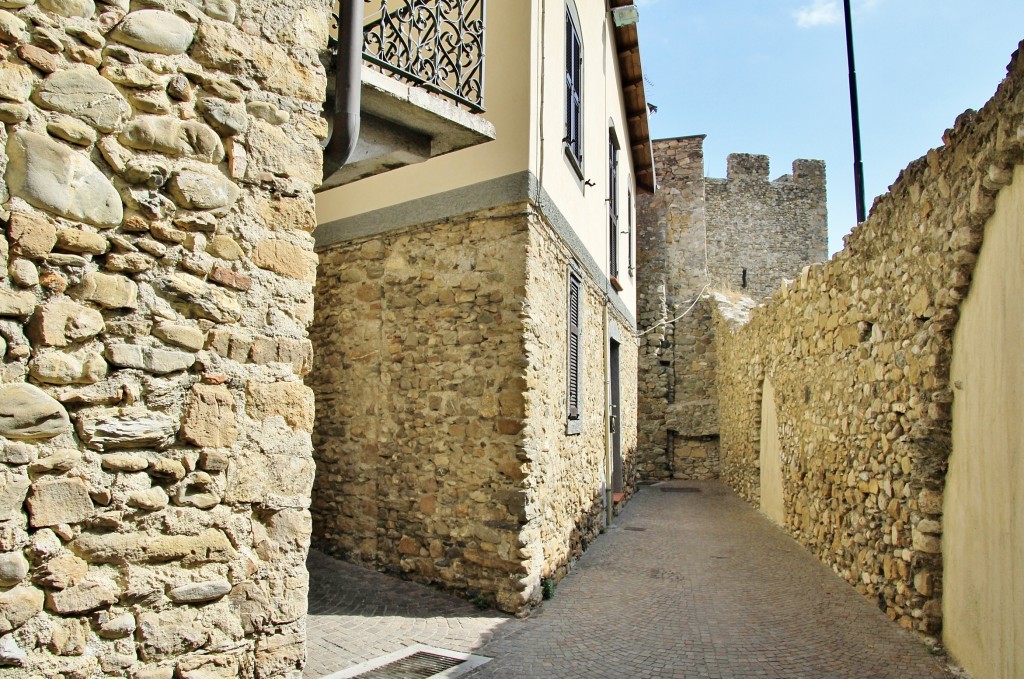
(627, 48)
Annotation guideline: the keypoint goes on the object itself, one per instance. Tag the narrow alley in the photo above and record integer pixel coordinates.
(689, 581)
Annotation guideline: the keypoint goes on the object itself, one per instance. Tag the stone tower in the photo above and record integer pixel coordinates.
(696, 236)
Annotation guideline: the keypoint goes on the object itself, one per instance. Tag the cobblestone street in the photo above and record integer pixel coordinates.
(684, 584)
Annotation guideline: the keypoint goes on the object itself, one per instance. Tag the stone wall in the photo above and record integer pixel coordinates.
(419, 387)
(697, 236)
(568, 474)
(858, 352)
(769, 229)
(671, 273)
(155, 455)
(440, 437)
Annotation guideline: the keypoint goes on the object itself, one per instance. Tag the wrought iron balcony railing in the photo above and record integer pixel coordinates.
(436, 44)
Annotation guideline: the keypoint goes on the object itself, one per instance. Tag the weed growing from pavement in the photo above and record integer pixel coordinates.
(547, 588)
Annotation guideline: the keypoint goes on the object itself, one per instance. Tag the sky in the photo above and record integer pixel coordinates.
(771, 77)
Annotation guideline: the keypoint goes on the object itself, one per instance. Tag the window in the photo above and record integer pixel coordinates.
(575, 355)
(613, 207)
(573, 90)
(629, 230)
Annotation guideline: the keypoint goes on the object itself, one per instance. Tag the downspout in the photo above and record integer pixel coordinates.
(343, 124)
(609, 492)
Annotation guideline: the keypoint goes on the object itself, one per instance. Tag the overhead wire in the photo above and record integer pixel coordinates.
(694, 300)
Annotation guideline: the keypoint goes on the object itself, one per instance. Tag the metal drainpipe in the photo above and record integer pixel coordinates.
(609, 490)
(343, 128)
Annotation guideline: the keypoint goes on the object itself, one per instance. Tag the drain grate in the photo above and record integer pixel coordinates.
(670, 489)
(636, 528)
(414, 662)
(419, 665)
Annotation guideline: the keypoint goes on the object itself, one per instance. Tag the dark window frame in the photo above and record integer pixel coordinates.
(630, 263)
(573, 140)
(613, 205)
(574, 352)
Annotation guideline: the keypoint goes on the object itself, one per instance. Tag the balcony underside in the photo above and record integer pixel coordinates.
(402, 125)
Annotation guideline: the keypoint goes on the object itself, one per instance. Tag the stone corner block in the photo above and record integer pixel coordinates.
(291, 400)
(286, 259)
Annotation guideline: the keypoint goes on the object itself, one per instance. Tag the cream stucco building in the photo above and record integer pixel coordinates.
(475, 324)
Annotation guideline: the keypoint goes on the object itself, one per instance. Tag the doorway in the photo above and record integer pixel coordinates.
(614, 418)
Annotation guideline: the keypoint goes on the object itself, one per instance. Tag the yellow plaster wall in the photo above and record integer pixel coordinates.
(771, 458)
(585, 206)
(507, 77)
(983, 541)
(526, 104)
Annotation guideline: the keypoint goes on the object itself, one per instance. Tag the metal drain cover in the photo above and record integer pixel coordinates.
(636, 528)
(414, 662)
(670, 489)
(416, 666)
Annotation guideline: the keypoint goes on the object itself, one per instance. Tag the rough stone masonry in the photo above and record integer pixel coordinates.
(858, 353)
(157, 171)
(699, 236)
(441, 442)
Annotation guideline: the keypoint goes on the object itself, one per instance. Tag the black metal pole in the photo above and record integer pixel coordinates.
(858, 165)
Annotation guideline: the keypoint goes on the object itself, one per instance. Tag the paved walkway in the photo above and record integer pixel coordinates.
(682, 585)
(356, 615)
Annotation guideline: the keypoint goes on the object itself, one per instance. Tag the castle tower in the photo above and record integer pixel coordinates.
(697, 235)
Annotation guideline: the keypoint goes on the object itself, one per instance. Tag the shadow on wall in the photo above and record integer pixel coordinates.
(587, 527)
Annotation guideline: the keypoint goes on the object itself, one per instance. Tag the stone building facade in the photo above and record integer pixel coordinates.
(441, 438)
(156, 180)
(698, 236)
(475, 323)
(888, 372)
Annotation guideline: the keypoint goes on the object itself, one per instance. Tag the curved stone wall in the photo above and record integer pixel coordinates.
(158, 160)
(859, 353)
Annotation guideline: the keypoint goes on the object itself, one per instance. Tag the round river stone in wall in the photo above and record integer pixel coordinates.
(15, 81)
(70, 8)
(153, 30)
(28, 413)
(85, 95)
(52, 177)
(202, 191)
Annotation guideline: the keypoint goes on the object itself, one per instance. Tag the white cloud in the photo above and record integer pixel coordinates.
(818, 13)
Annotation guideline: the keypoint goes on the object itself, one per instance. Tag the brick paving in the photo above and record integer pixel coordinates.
(357, 615)
(682, 585)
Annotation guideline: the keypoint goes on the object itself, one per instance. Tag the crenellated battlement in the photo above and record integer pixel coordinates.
(747, 168)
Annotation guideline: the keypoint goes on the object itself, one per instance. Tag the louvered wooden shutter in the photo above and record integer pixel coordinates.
(613, 205)
(573, 87)
(574, 347)
(629, 230)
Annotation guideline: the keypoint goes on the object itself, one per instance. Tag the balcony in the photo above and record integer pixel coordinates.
(422, 84)
(435, 44)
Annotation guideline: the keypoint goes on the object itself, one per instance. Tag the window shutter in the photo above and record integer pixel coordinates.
(613, 205)
(573, 400)
(573, 83)
(629, 230)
